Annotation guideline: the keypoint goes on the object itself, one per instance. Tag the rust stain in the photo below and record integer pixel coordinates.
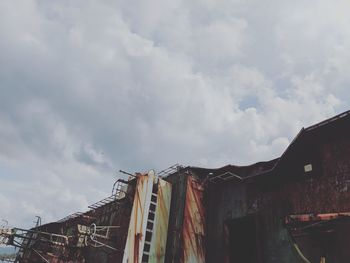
(315, 217)
(136, 247)
(194, 223)
(160, 231)
(137, 227)
(138, 209)
(227, 243)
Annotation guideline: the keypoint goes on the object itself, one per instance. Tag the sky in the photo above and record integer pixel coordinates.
(91, 87)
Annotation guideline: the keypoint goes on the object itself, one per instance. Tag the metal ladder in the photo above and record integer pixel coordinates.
(150, 225)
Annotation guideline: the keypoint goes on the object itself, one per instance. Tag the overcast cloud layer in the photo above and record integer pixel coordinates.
(91, 87)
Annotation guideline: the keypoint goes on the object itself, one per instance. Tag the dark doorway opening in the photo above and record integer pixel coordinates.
(243, 240)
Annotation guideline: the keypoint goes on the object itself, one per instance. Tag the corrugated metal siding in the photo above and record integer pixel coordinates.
(194, 224)
(177, 207)
(138, 221)
(159, 238)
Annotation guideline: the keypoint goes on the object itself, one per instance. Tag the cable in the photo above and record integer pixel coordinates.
(296, 247)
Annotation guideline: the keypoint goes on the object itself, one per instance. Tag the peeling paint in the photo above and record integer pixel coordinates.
(158, 244)
(194, 223)
(138, 221)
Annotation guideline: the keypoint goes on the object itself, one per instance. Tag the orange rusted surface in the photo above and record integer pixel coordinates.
(138, 221)
(194, 224)
(160, 231)
(315, 217)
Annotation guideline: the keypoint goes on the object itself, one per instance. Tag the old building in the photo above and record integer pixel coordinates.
(295, 208)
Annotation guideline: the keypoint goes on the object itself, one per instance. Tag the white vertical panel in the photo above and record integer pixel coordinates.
(138, 221)
(160, 230)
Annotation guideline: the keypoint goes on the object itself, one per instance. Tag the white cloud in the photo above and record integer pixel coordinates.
(88, 88)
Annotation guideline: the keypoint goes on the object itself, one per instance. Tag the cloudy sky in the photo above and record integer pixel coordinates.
(91, 87)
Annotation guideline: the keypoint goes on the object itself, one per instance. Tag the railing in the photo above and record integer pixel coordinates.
(170, 170)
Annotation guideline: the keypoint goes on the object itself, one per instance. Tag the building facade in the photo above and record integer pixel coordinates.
(295, 208)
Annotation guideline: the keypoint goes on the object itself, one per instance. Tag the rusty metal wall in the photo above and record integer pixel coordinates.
(325, 190)
(328, 191)
(230, 201)
(178, 197)
(138, 221)
(194, 232)
(159, 238)
(115, 213)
